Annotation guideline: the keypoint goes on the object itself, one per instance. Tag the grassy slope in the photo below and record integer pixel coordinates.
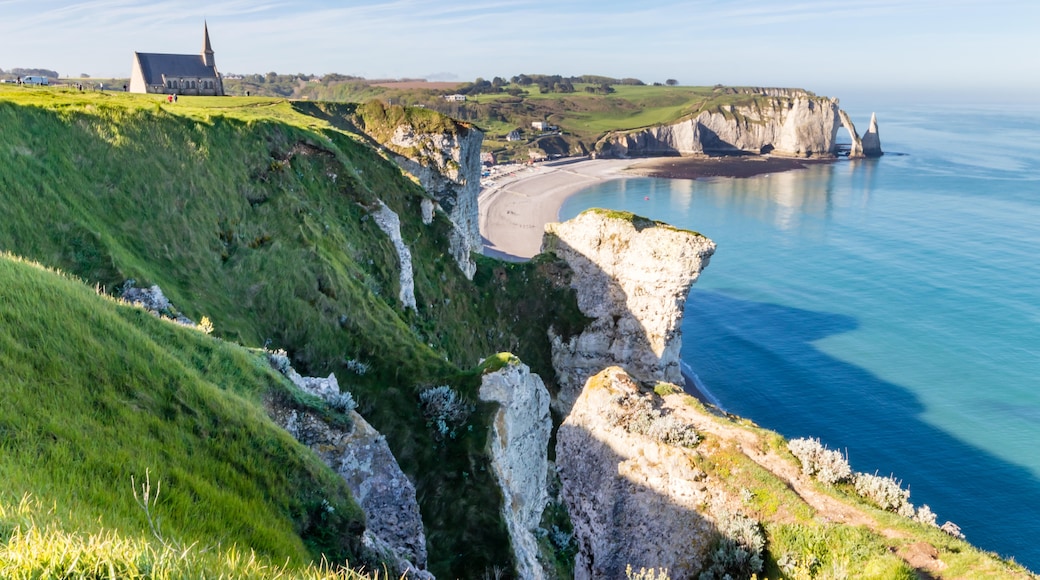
(808, 537)
(230, 205)
(94, 393)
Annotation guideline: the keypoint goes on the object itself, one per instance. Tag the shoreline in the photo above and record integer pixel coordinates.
(517, 201)
(516, 204)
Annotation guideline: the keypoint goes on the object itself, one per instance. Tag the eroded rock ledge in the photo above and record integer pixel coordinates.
(361, 456)
(633, 501)
(632, 276)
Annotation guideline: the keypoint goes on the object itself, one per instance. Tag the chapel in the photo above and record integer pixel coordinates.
(177, 74)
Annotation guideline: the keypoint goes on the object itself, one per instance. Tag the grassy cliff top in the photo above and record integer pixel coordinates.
(99, 398)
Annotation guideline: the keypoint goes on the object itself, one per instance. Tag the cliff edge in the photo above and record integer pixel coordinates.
(631, 276)
(654, 480)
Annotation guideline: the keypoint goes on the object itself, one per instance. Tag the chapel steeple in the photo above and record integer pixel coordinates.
(207, 50)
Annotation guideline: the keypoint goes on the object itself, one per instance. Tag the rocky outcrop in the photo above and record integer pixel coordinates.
(447, 165)
(390, 223)
(800, 125)
(153, 300)
(632, 277)
(519, 455)
(856, 147)
(871, 139)
(632, 500)
(361, 456)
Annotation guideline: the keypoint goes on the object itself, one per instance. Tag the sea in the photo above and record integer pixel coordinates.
(889, 307)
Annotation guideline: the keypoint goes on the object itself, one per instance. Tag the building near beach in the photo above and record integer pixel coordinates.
(177, 74)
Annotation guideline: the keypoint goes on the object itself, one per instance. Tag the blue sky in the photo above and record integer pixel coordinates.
(926, 46)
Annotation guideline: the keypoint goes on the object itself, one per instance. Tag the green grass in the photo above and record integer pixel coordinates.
(33, 545)
(94, 393)
(831, 551)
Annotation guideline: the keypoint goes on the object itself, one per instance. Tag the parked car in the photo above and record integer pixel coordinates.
(35, 80)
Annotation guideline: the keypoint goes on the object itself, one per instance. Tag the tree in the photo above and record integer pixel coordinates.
(671, 82)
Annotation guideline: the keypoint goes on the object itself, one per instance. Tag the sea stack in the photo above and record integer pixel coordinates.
(871, 140)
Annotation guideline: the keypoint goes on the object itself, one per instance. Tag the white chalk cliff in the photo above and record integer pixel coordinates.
(856, 146)
(361, 456)
(800, 125)
(871, 139)
(632, 277)
(632, 500)
(519, 456)
(447, 165)
(784, 123)
(390, 223)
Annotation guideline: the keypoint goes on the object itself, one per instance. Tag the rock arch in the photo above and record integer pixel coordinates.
(867, 146)
(856, 149)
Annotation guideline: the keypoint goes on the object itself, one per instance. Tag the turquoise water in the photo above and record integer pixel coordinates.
(890, 307)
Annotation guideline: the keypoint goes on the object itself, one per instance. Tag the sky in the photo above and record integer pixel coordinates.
(953, 47)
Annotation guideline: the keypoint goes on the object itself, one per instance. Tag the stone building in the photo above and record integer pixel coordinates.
(177, 74)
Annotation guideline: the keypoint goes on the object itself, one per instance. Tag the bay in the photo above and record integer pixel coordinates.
(890, 307)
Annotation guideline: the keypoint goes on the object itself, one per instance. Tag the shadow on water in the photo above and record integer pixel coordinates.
(784, 383)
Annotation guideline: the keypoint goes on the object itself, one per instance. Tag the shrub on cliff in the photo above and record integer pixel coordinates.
(637, 415)
(738, 550)
(672, 431)
(885, 492)
(827, 465)
(445, 410)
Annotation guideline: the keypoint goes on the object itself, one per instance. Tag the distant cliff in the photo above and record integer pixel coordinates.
(781, 122)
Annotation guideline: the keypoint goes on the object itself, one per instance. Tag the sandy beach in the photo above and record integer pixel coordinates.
(516, 201)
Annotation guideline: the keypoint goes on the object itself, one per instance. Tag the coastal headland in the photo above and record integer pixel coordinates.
(518, 200)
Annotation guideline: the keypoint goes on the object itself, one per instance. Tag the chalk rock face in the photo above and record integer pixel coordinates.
(856, 148)
(871, 139)
(390, 223)
(519, 456)
(797, 124)
(632, 500)
(632, 277)
(426, 207)
(448, 166)
(809, 128)
(153, 300)
(361, 456)
(325, 388)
